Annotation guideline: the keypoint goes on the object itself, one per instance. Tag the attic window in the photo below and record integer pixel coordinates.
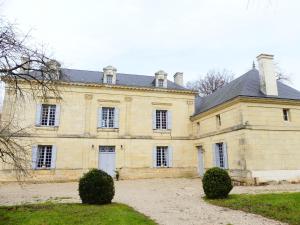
(109, 79)
(218, 120)
(286, 114)
(160, 82)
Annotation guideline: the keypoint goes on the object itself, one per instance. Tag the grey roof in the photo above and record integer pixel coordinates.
(246, 85)
(85, 76)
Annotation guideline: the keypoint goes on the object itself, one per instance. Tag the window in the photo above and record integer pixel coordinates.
(160, 82)
(109, 79)
(161, 119)
(48, 115)
(162, 156)
(108, 117)
(218, 120)
(220, 152)
(286, 114)
(107, 149)
(44, 156)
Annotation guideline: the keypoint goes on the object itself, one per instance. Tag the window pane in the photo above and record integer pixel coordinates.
(108, 115)
(161, 119)
(48, 115)
(221, 154)
(109, 79)
(162, 156)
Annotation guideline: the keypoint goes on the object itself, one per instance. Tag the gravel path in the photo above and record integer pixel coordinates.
(168, 201)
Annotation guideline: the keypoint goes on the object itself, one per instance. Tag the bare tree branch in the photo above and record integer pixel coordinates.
(211, 82)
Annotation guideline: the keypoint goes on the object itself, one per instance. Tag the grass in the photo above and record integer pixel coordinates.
(284, 207)
(72, 214)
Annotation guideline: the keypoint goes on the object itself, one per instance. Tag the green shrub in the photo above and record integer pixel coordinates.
(96, 187)
(216, 183)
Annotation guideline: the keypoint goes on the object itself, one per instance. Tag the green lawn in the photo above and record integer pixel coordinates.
(63, 214)
(284, 207)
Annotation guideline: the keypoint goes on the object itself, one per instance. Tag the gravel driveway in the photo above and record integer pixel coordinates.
(168, 201)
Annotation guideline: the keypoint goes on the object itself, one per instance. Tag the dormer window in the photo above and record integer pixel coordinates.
(160, 83)
(109, 79)
(109, 75)
(161, 79)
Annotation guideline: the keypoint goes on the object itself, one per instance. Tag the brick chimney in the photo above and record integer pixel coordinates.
(268, 80)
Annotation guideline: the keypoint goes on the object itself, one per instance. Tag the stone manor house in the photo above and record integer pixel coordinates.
(149, 126)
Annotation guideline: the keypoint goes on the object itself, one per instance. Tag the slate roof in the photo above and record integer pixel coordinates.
(133, 80)
(245, 85)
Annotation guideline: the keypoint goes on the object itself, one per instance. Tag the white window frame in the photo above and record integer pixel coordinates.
(162, 156)
(161, 119)
(44, 157)
(160, 82)
(108, 117)
(109, 79)
(221, 154)
(48, 115)
(286, 115)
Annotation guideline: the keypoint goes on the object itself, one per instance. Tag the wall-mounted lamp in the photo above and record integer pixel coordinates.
(93, 146)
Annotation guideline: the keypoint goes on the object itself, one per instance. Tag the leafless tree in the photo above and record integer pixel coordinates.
(211, 82)
(27, 72)
(282, 75)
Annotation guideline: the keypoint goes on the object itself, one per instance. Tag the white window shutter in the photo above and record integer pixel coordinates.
(34, 157)
(100, 117)
(169, 115)
(154, 157)
(57, 115)
(225, 156)
(154, 119)
(53, 158)
(170, 156)
(38, 114)
(116, 118)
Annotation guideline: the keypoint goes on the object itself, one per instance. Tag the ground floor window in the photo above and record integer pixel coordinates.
(221, 155)
(107, 148)
(44, 156)
(162, 156)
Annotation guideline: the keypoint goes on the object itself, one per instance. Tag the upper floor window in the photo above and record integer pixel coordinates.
(286, 114)
(109, 79)
(108, 117)
(160, 82)
(43, 157)
(48, 115)
(161, 119)
(218, 120)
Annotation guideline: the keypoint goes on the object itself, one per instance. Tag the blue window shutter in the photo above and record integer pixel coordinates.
(57, 115)
(217, 156)
(154, 119)
(154, 157)
(169, 115)
(34, 157)
(225, 155)
(170, 156)
(116, 119)
(53, 158)
(100, 117)
(38, 114)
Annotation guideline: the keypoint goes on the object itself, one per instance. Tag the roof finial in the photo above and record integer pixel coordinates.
(253, 65)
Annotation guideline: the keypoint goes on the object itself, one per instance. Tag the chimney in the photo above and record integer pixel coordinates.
(161, 79)
(268, 80)
(178, 78)
(25, 68)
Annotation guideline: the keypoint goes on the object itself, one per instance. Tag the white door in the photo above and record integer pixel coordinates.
(107, 159)
(200, 161)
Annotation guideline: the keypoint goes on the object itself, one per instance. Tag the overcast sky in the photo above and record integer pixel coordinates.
(143, 36)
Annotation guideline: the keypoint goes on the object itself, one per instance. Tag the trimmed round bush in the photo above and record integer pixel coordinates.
(216, 183)
(96, 187)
